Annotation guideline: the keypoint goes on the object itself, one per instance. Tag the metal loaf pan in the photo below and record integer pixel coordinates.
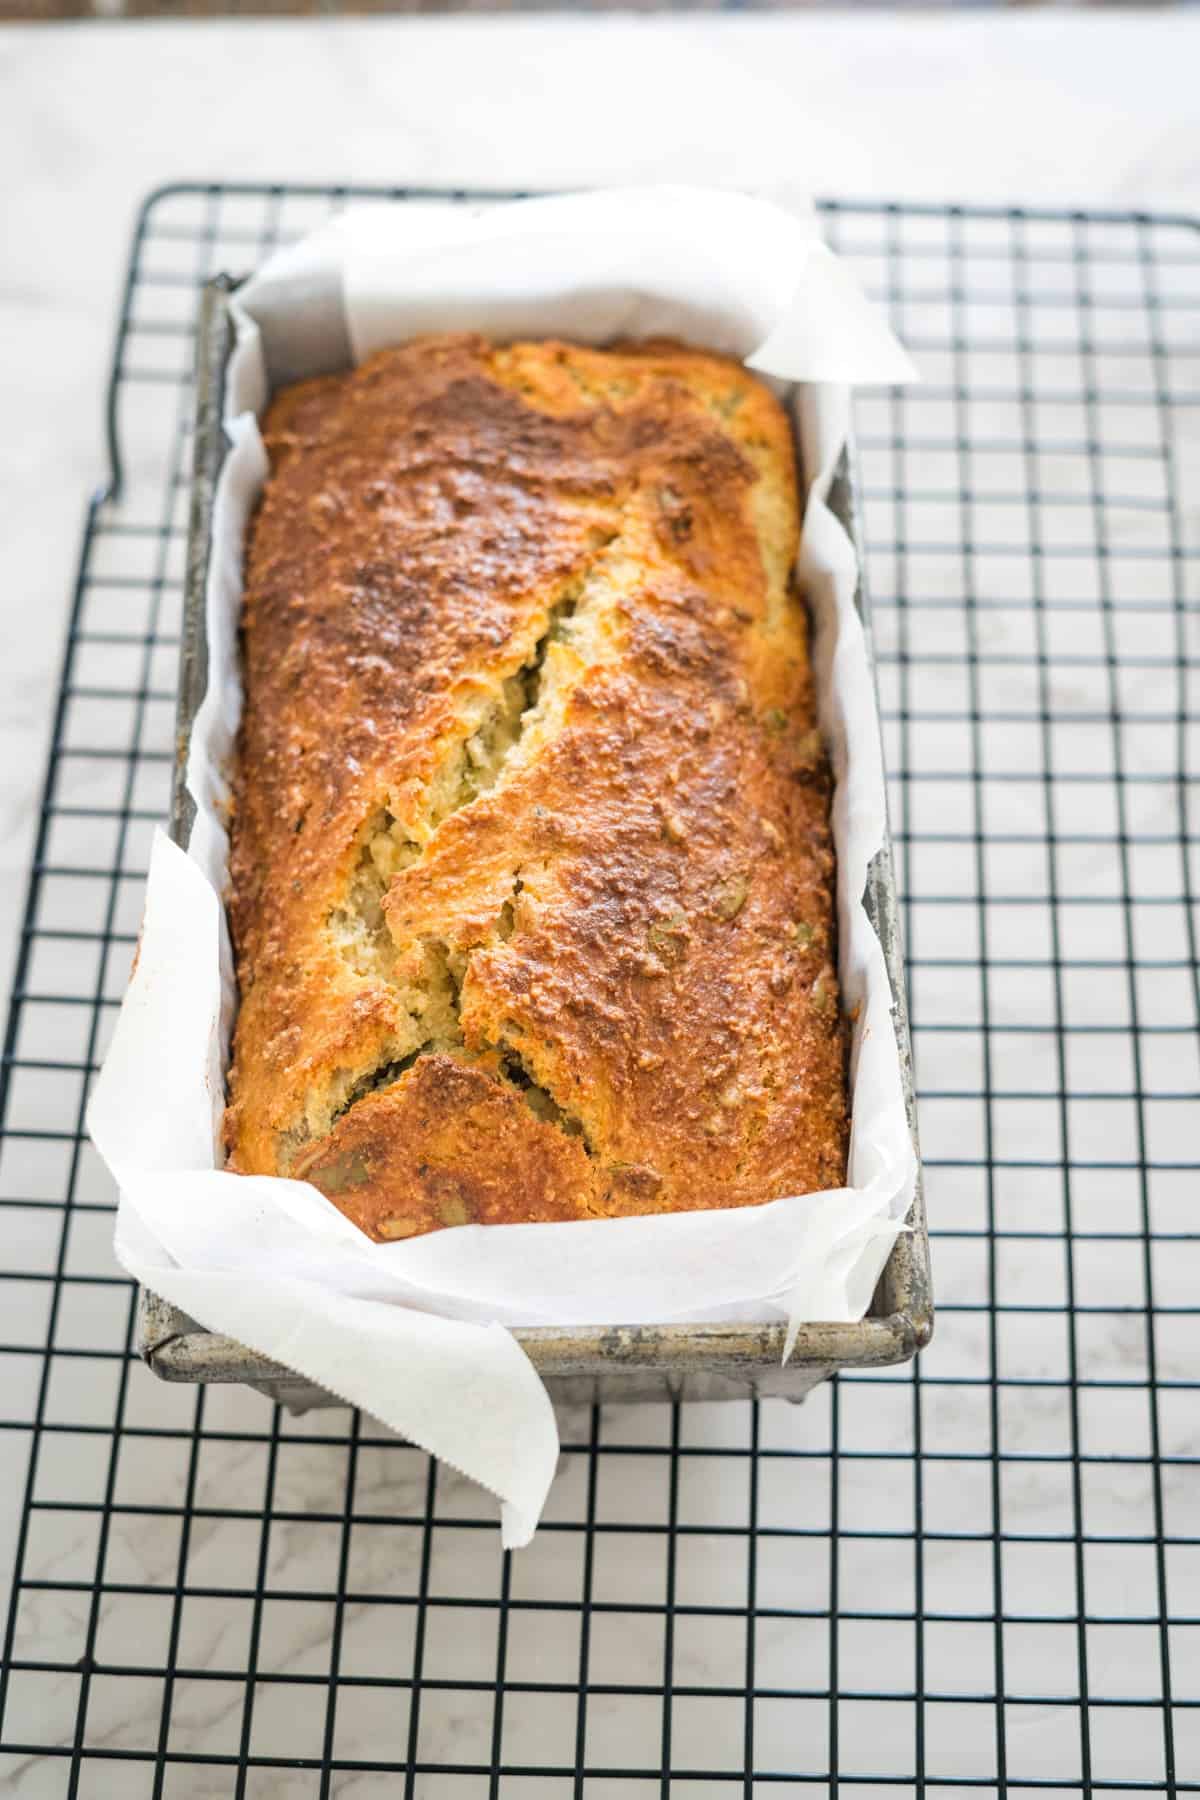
(585, 1363)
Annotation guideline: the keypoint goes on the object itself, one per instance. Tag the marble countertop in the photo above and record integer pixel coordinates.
(1052, 106)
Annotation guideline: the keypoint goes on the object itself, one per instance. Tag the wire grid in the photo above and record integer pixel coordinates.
(981, 1572)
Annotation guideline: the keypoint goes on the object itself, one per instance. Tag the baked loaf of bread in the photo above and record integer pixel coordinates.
(532, 880)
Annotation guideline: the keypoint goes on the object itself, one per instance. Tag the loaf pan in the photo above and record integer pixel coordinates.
(577, 1363)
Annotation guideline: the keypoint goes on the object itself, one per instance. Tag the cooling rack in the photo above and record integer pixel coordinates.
(978, 1573)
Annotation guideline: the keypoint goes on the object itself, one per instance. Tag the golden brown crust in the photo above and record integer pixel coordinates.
(531, 872)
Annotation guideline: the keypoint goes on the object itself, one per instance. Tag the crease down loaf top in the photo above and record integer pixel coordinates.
(531, 878)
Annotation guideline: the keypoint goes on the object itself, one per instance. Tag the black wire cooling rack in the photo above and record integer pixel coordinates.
(980, 1573)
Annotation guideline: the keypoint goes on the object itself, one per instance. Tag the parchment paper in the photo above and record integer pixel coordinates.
(414, 1331)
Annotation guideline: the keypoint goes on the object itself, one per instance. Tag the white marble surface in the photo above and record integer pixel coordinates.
(1071, 106)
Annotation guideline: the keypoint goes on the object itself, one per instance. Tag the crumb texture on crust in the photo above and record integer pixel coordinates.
(531, 876)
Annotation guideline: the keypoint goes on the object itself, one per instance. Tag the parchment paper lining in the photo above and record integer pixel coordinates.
(413, 1332)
